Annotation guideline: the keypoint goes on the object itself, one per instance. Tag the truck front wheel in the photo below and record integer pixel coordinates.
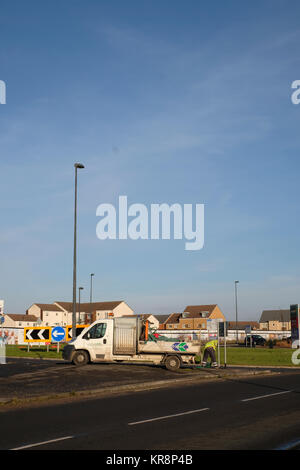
(172, 363)
(80, 358)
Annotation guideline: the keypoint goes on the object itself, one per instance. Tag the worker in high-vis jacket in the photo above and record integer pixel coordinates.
(210, 352)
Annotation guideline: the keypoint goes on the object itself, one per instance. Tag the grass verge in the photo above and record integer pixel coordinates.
(35, 351)
(235, 356)
(259, 356)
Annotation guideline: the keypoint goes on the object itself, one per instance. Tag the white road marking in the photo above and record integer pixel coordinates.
(44, 442)
(168, 416)
(265, 396)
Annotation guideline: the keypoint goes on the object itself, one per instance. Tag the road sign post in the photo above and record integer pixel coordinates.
(295, 325)
(222, 332)
(218, 337)
(58, 334)
(2, 343)
(248, 332)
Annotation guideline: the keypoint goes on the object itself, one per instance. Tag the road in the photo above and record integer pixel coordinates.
(253, 413)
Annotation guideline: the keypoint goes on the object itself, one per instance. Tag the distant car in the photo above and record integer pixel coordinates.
(257, 340)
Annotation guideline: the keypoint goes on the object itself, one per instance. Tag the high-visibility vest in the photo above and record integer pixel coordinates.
(211, 344)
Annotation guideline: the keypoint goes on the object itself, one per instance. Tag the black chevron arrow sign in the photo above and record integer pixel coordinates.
(37, 334)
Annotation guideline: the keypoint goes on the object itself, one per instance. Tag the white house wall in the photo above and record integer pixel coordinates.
(122, 309)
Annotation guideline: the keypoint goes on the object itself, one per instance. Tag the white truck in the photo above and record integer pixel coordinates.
(127, 339)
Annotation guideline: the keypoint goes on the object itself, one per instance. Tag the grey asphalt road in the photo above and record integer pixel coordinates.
(253, 413)
(22, 378)
(26, 378)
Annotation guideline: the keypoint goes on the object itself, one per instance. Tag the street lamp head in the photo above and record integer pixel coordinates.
(80, 288)
(236, 282)
(92, 274)
(78, 165)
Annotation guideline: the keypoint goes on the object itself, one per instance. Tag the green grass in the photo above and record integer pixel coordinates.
(258, 356)
(35, 351)
(235, 356)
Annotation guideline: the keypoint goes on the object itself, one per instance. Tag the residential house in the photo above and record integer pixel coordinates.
(162, 321)
(194, 317)
(16, 320)
(152, 319)
(279, 320)
(50, 314)
(60, 313)
(90, 312)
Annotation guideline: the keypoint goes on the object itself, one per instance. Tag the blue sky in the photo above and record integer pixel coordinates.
(186, 102)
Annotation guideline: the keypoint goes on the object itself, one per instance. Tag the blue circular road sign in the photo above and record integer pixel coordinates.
(58, 334)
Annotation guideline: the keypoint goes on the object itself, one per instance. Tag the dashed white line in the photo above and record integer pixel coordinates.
(269, 395)
(168, 416)
(44, 442)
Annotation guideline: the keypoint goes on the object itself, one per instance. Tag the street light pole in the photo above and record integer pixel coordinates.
(76, 166)
(91, 296)
(236, 312)
(79, 289)
(91, 289)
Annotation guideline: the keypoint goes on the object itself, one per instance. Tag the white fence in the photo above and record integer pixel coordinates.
(16, 335)
(194, 335)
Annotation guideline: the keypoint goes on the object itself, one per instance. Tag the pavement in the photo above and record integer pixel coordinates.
(25, 381)
(250, 412)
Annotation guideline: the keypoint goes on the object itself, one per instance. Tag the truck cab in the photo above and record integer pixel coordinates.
(93, 344)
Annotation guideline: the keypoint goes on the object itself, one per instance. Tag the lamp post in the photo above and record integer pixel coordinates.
(79, 289)
(236, 312)
(76, 166)
(91, 289)
(91, 296)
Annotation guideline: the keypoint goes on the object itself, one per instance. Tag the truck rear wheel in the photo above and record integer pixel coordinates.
(80, 358)
(172, 363)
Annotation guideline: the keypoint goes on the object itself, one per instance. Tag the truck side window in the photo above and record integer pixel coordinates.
(98, 331)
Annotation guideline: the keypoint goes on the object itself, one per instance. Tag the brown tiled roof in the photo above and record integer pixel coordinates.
(162, 318)
(21, 317)
(197, 309)
(145, 316)
(173, 318)
(88, 307)
(48, 307)
(242, 324)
